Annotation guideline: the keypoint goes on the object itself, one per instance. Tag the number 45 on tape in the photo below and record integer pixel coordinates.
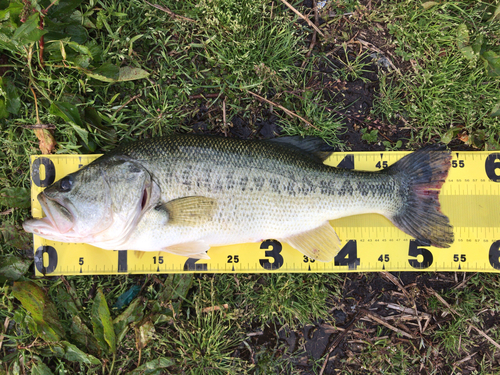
(470, 198)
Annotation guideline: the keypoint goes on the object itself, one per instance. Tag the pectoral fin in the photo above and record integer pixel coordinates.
(190, 210)
(321, 243)
(194, 249)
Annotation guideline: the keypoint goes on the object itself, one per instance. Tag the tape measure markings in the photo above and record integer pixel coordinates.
(366, 240)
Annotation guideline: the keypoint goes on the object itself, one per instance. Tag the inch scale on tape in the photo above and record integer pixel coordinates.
(470, 198)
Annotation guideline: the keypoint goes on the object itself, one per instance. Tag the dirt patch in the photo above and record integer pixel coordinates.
(351, 328)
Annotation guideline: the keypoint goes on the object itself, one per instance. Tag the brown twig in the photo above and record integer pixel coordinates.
(303, 17)
(378, 319)
(287, 111)
(5, 326)
(373, 48)
(442, 300)
(224, 122)
(9, 211)
(169, 12)
(127, 102)
(203, 96)
(469, 357)
(215, 308)
(41, 43)
(38, 126)
(313, 39)
(482, 333)
(396, 282)
(340, 337)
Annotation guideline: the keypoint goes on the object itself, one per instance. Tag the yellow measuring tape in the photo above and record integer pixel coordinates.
(470, 197)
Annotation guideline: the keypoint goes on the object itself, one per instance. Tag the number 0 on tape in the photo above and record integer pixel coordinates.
(470, 198)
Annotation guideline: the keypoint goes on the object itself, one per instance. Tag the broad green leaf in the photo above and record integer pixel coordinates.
(81, 60)
(462, 36)
(13, 267)
(65, 301)
(18, 197)
(144, 334)
(82, 133)
(496, 14)
(79, 48)
(77, 33)
(72, 353)
(463, 43)
(107, 72)
(11, 13)
(133, 313)
(40, 368)
(29, 32)
(477, 45)
(67, 111)
(103, 326)
(128, 73)
(82, 335)
(111, 73)
(496, 110)
(492, 144)
(12, 101)
(3, 109)
(176, 286)
(41, 308)
(154, 367)
(429, 4)
(64, 8)
(492, 63)
(450, 135)
(15, 236)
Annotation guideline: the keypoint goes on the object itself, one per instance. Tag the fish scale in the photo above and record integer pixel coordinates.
(262, 190)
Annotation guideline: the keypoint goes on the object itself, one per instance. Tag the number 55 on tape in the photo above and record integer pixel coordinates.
(470, 197)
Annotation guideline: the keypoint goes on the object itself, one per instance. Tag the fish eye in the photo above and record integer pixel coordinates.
(66, 184)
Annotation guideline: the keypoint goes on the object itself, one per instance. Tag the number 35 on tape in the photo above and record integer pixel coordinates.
(470, 198)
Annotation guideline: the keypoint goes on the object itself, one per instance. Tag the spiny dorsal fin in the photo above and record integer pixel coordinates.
(312, 146)
(190, 210)
(320, 243)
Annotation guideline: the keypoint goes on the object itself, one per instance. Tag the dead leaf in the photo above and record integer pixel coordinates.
(464, 137)
(47, 141)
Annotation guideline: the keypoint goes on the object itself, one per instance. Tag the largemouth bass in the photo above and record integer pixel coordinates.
(184, 193)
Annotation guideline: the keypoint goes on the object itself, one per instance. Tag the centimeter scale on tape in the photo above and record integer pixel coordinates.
(470, 198)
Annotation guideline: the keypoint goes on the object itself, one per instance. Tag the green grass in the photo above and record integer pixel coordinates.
(226, 51)
(447, 89)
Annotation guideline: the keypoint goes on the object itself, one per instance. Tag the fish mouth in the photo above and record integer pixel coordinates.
(58, 216)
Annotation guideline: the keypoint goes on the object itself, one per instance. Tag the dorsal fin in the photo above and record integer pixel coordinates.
(312, 146)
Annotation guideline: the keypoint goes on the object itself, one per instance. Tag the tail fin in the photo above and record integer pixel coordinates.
(422, 174)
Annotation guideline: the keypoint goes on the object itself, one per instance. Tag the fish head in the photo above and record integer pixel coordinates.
(101, 202)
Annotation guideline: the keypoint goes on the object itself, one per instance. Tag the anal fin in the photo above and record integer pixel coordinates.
(321, 243)
(193, 249)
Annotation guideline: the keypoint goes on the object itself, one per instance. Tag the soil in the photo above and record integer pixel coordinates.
(370, 293)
